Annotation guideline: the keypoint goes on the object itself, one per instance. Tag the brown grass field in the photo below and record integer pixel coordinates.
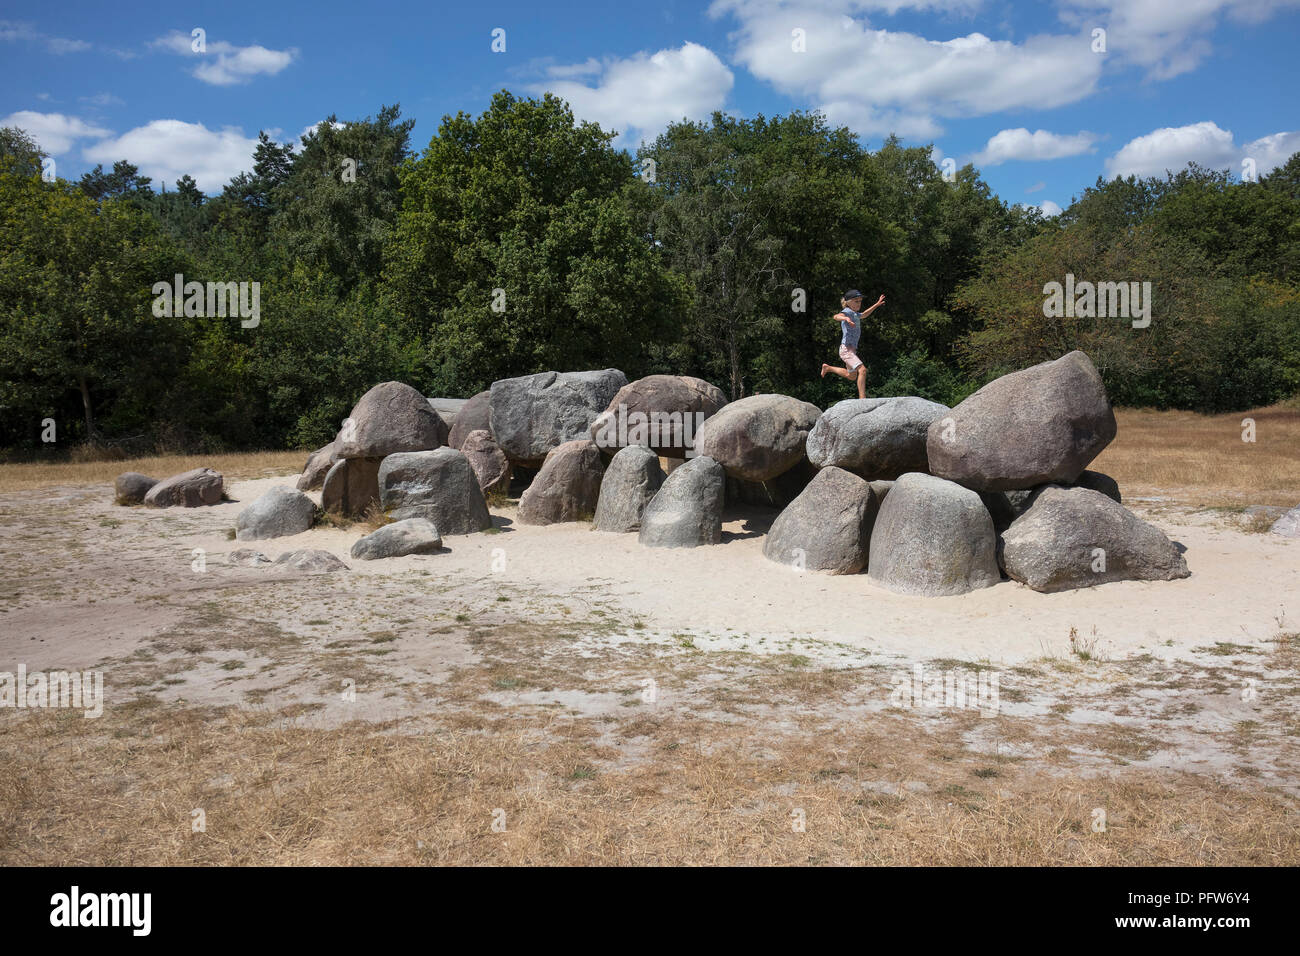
(539, 748)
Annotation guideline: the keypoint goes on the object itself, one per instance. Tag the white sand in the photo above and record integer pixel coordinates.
(1244, 588)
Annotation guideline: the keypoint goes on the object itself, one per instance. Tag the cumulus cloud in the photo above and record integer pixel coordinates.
(1165, 38)
(224, 64)
(168, 149)
(1173, 147)
(1049, 208)
(642, 94)
(54, 132)
(1021, 144)
(879, 81)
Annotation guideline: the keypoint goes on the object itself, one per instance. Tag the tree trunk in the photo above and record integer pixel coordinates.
(85, 404)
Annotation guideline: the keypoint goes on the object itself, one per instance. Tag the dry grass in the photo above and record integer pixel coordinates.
(239, 465)
(1202, 460)
(891, 793)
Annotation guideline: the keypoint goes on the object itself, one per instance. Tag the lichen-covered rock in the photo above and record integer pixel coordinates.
(412, 536)
(661, 411)
(310, 561)
(351, 486)
(759, 437)
(278, 513)
(472, 417)
(568, 486)
(439, 485)
(933, 537)
(392, 417)
(191, 489)
(532, 414)
(875, 438)
(686, 512)
(1288, 526)
(828, 527)
(318, 466)
(489, 462)
(131, 487)
(631, 480)
(1079, 538)
(1041, 425)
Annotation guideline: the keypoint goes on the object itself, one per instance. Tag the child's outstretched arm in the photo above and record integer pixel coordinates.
(879, 303)
(841, 317)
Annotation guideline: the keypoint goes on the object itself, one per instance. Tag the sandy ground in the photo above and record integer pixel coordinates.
(85, 583)
(555, 633)
(1243, 588)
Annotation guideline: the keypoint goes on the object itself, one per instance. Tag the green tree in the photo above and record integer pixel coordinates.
(339, 202)
(525, 201)
(75, 308)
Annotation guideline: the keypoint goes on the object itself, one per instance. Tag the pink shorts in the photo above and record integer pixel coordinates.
(850, 358)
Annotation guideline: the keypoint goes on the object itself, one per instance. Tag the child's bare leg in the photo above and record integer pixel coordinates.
(841, 372)
(862, 381)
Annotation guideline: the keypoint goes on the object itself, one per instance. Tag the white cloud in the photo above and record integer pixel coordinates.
(642, 94)
(310, 130)
(1037, 187)
(1172, 148)
(55, 132)
(880, 81)
(224, 64)
(1046, 207)
(12, 30)
(168, 149)
(1010, 144)
(1166, 37)
(102, 99)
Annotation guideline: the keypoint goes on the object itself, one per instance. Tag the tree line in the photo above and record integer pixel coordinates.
(521, 240)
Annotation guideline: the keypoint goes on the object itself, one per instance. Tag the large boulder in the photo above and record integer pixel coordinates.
(277, 514)
(391, 417)
(631, 480)
(472, 417)
(1007, 506)
(1037, 426)
(532, 414)
(1078, 538)
(190, 489)
(686, 512)
(318, 466)
(828, 527)
(1288, 526)
(310, 561)
(412, 536)
(759, 437)
(933, 537)
(130, 487)
(351, 486)
(664, 412)
(439, 485)
(489, 462)
(875, 438)
(448, 410)
(568, 486)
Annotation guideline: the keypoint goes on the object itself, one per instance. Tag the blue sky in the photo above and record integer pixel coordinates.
(1018, 88)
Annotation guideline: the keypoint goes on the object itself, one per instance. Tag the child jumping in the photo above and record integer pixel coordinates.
(851, 320)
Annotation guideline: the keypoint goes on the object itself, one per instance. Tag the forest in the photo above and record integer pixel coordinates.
(521, 240)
